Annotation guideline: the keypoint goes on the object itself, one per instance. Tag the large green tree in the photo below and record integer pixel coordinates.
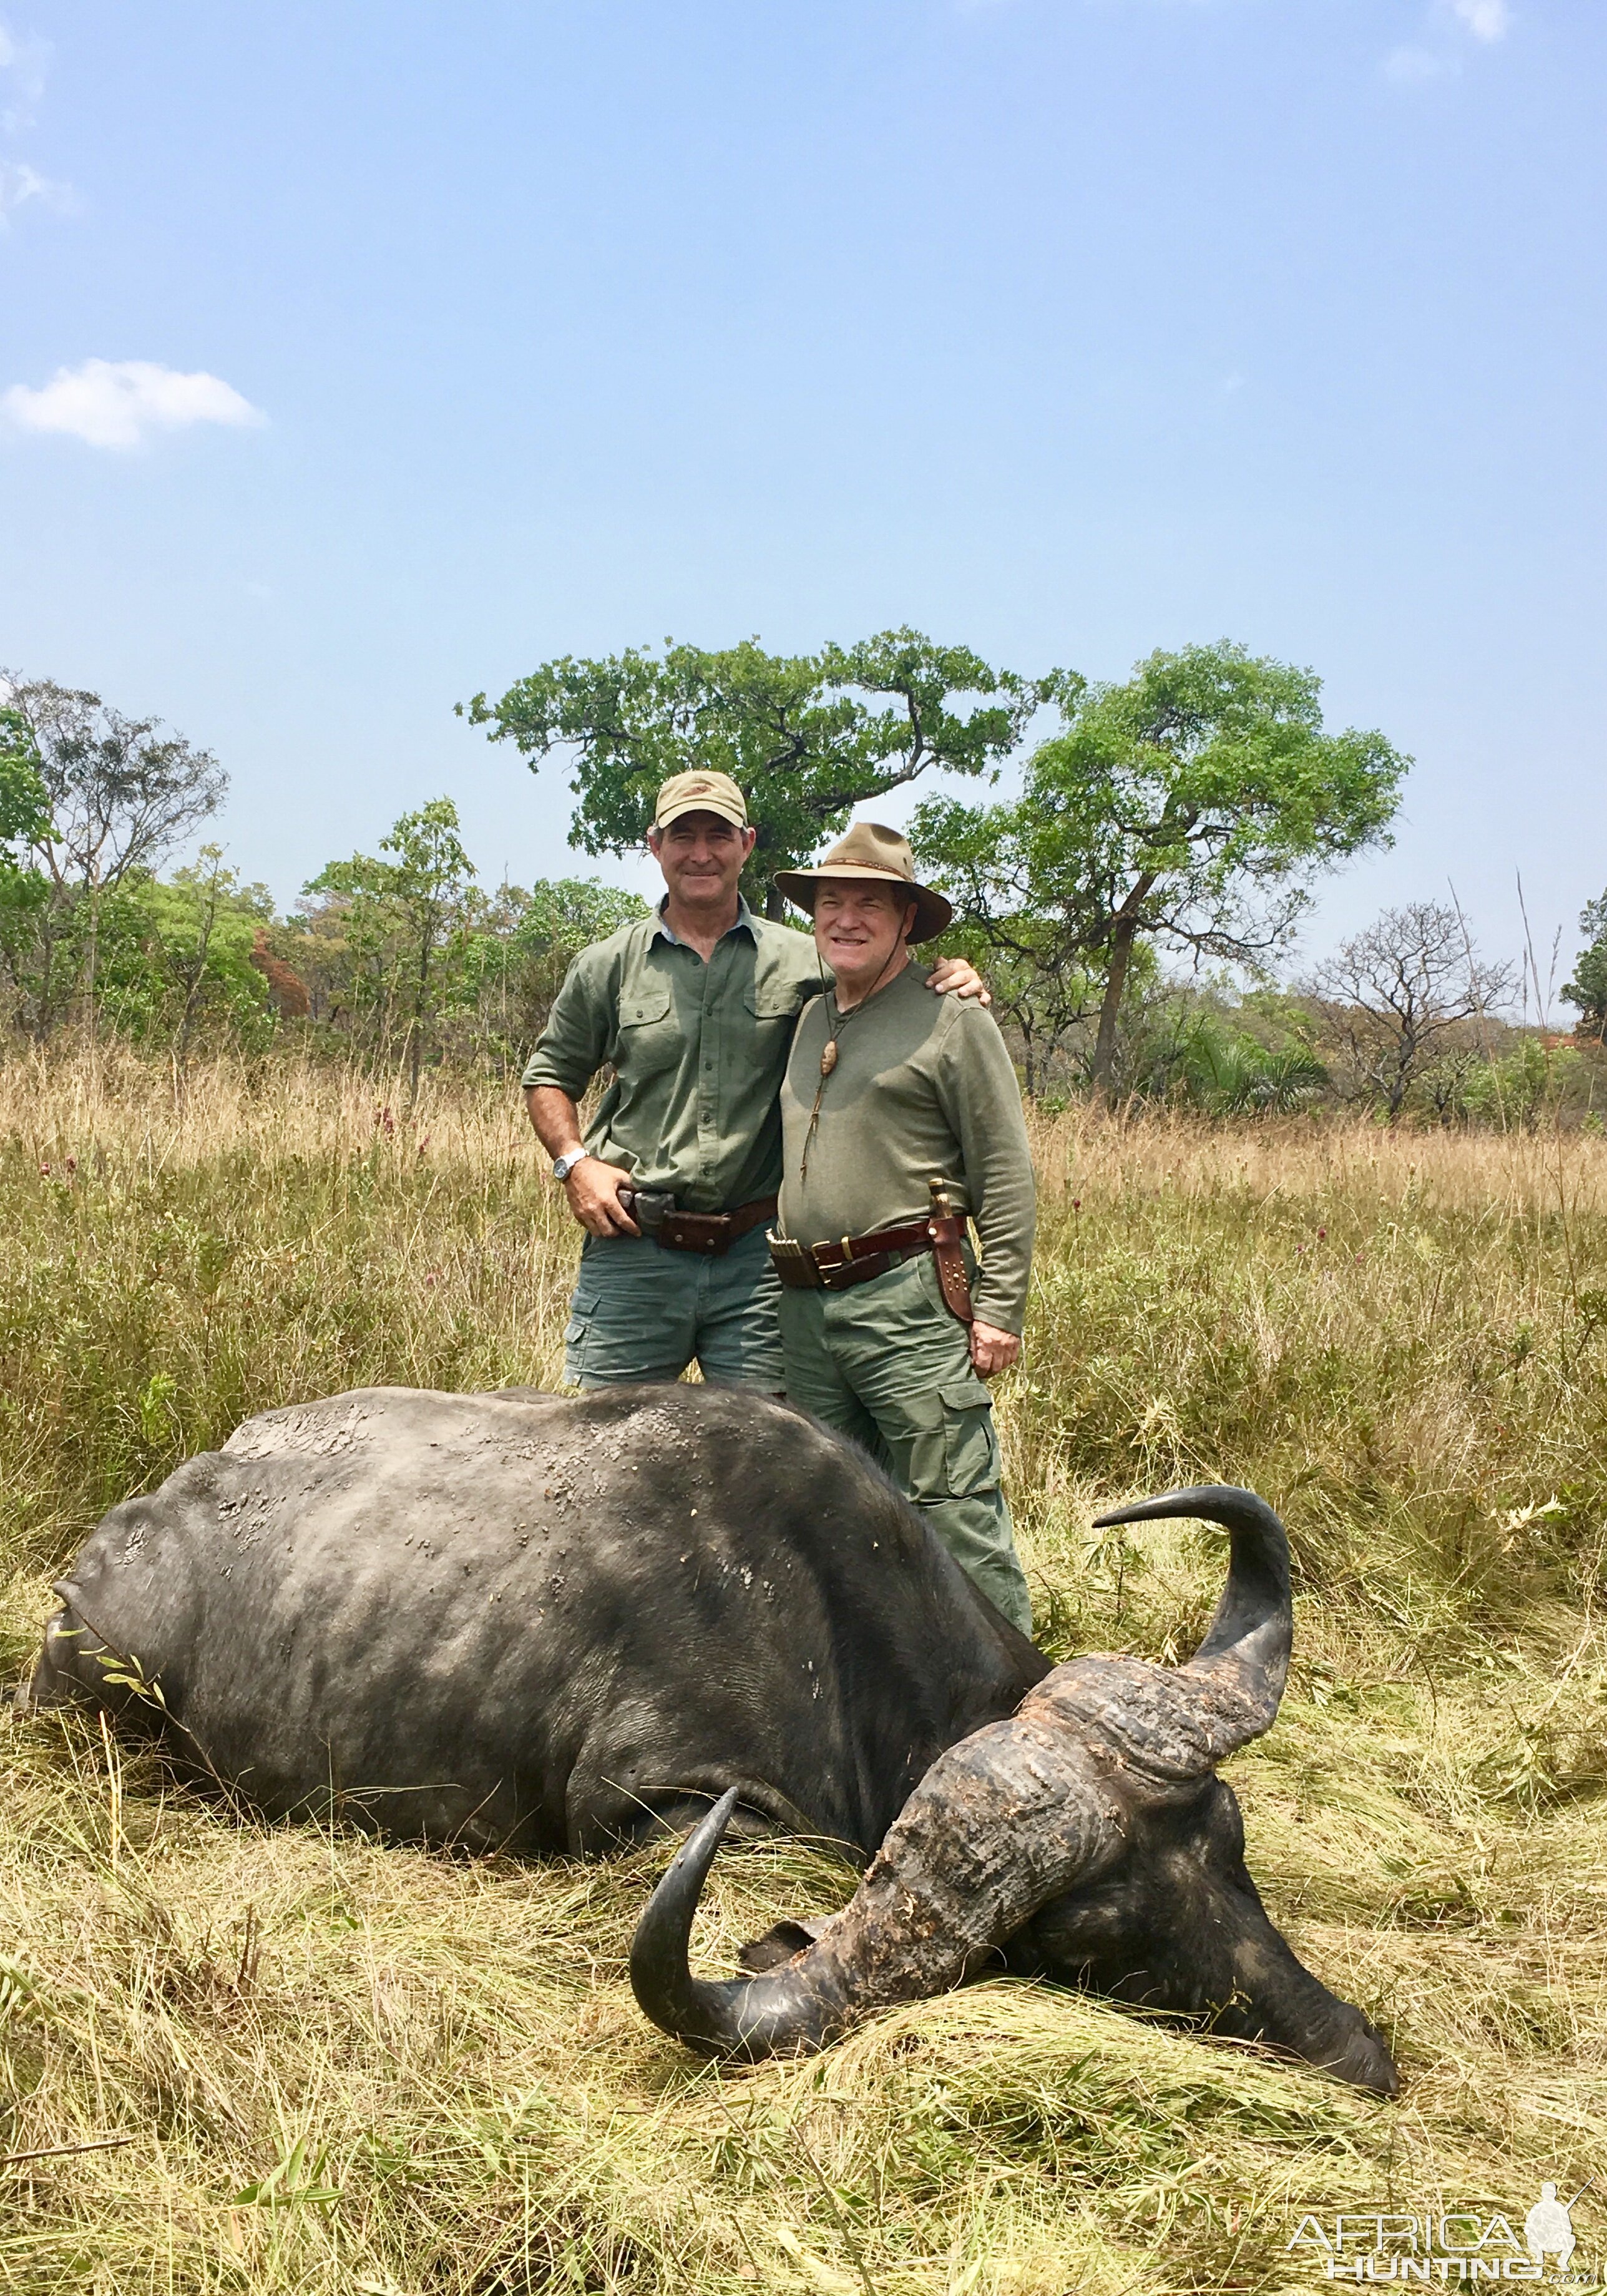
(807, 736)
(1187, 807)
(1587, 990)
(119, 793)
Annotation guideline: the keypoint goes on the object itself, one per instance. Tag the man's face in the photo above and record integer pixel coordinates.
(858, 927)
(701, 855)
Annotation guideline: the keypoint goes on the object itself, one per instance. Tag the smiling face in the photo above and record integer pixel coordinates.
(701, 855)
(862, 931)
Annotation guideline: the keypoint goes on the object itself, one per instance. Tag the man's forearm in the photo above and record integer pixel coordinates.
(556, 1119)
(593, 1188)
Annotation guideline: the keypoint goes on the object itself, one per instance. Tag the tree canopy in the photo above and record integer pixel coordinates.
(96, 799)
(1188, 807)
(1587, 990)
(807, 736)
(1395, 998)
(24, 802)
(119, 793)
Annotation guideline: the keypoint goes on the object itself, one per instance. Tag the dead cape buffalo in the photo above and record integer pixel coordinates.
(554, 1625)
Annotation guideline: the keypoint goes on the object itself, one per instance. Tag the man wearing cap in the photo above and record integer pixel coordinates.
(675, 1182)
(900, 1118)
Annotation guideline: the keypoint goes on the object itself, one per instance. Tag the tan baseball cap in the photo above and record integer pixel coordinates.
(871, 851)
(701, 792)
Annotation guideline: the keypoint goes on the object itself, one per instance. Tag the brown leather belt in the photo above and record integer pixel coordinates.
(861, 1259)
(714, 1231)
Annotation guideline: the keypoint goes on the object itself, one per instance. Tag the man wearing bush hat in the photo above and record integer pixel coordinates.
(693, 1009)
(901, 1121)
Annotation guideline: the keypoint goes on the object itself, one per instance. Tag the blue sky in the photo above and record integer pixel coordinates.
(1061, 328)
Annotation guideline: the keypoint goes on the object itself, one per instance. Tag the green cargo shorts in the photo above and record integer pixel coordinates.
(888, 1365)
(642, 1313)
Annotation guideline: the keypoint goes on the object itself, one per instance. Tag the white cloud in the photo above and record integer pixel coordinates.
(19, 183)
(22, 66)
(24, 62)
(120, 402)
(1485, 20)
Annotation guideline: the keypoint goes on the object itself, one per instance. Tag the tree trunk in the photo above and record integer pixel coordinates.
(1401, 1076)
(1125, 934)
(94, 951)
(775, 904)
(416, 1040)
(193, 997)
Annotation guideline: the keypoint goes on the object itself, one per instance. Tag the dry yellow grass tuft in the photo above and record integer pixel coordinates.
(316, 2064)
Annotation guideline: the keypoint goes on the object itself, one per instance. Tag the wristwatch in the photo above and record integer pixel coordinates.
(565, 1165)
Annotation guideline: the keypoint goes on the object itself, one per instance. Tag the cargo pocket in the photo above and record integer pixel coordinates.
(971, 1447)
(575, 1332)
(953, 1453)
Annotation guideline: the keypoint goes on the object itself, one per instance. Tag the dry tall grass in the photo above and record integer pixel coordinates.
(319, 2064)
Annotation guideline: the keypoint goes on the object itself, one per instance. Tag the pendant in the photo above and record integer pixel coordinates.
(828, 1059)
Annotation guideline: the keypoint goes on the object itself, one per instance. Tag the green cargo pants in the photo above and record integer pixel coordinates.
(888, 1365)
(641, 1312)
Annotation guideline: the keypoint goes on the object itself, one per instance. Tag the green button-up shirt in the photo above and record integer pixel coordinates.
(698, 1051)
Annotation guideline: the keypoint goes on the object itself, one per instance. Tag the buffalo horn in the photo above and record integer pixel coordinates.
(999, 1823)
(1243, 1663)
(752, 2017)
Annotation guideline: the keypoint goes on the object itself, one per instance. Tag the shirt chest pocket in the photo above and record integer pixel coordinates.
(772, 1010)
(649, 1036)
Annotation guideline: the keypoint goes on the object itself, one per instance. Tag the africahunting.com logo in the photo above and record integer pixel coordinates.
(1458, 2244)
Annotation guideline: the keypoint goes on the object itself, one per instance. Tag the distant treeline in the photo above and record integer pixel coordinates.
(1186, 812)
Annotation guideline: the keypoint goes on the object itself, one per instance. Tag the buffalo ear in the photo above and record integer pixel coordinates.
(777, 1946)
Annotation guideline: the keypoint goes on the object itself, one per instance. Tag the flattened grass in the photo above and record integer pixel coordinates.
(331, 2065)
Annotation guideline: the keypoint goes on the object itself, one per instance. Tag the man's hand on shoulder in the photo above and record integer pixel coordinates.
(992, 1350)
(592, 1189)
(956, 976)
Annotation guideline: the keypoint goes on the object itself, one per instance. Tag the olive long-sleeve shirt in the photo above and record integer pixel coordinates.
(698, 1051)
(922, 1089)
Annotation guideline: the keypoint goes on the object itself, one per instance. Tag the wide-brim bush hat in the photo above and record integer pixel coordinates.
(871, 853)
